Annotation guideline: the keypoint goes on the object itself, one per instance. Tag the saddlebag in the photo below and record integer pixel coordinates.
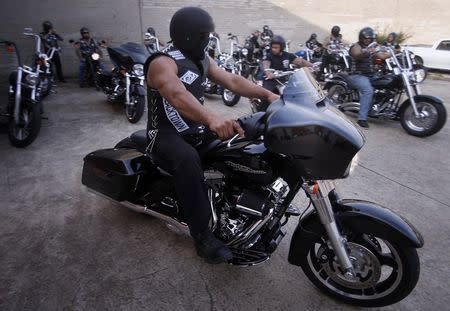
(113, 172)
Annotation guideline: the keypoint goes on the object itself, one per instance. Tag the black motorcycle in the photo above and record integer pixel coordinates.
(229, 62)
(28, 85)
(355, 251)
(125, 83)
(420, 115)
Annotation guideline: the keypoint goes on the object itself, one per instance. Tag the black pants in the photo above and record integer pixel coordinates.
(57, 62)
(175, 155)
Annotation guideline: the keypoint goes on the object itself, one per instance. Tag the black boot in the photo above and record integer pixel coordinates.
(210, 248)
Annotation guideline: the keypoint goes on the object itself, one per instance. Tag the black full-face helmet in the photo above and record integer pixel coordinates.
(367, 33)
(151, 31)
(278, 40)
(46, 26)
(189, 30)
(335, 31)
(84, 30)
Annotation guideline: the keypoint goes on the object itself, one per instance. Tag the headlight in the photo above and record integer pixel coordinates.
(138, 69)
(244, 51)
(412, 55)
(95, 56)
(31, 79)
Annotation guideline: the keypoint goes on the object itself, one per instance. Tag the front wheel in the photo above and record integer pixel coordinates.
(431, 119)
(229, 98)
(135, 109)
(24, 132)
(385, 271)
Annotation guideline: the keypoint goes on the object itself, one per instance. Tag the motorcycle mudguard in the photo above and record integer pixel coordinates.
(356, 216)
(139, 90)
(431, 98)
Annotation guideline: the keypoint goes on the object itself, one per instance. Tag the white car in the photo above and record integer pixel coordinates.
(436, 56)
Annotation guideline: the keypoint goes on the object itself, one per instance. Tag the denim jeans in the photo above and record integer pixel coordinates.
(83, 67)
(365, 90)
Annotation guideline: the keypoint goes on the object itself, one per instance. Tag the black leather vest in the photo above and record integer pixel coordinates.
(161, 114)
(362, 66)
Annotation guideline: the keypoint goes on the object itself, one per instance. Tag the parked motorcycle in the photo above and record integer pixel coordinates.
(339, 60)
(125, 83)
(420, 115)
(228, 62)
(356, 251)
(28, 85)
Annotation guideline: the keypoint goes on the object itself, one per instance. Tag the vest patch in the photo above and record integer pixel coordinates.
(176, 54)
(174, 117)
(189, 77)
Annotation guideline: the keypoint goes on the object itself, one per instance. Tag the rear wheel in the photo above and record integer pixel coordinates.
(385, 272)
(431, 119)
(338, 94)
(135, 109)
(24, 132)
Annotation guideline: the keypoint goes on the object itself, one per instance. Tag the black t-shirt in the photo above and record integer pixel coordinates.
(280, 62)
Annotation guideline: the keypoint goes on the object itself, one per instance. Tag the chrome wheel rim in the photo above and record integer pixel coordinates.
(427, 119)
(228, 95)
(21, 130)
(378, 270)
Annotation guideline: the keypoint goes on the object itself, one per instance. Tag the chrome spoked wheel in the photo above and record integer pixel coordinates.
(431, 118)
(24, 132)
(337, 94)
(428, 116)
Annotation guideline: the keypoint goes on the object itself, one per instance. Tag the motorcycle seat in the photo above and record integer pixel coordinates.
(141, 140)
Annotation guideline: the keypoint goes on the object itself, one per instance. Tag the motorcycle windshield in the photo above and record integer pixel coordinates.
(128, 54)
(319, 140)
(303, 88)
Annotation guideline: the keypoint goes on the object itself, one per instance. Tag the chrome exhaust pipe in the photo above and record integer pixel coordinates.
(172, 224)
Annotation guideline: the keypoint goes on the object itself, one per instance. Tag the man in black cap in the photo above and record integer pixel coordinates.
(176, 79)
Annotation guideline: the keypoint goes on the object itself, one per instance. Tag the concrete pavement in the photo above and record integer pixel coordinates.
(63, 248)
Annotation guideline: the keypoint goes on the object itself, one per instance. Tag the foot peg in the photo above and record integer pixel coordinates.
(292, 211)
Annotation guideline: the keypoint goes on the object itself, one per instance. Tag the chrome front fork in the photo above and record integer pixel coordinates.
(409, 91)
(127, 89)
(318, 192)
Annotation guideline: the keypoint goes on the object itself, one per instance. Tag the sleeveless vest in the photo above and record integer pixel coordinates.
(161, 114)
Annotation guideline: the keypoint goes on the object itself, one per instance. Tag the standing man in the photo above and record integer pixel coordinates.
(50, 40)
(363, 71)
(175, 79)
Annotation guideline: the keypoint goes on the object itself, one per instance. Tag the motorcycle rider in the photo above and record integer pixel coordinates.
(254, 44)
(50, 40)
(363, 72)
(391, 41)
(84, 48)
(334, 39)
(267, 32)
(279, 59)
(175, 79)
(313, 44)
